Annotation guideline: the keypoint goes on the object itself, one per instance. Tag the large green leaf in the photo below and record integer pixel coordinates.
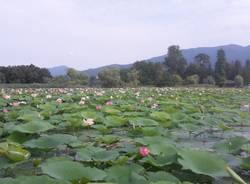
(231, 145)
(162, 117)
(66, 169)
(33, 127)
(114, 121)
(50, 141)
(162, 176)
(126, 174)
(202, 162)
(32, 180)
(96, 154)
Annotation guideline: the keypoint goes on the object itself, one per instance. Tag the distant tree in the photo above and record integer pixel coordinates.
(110, 77)
(124, 74)
(2, 77)
(177, 80)
(193, 79)
(76, 78)
(220, 65)
(24, 74)
(239, 81)
(133, 78)
(146, 72)
(94, 81)
(238, 67)
(203, 66)
(246, 72)
(60, 80)
(209, 80)
(161, 76)
(175, 61)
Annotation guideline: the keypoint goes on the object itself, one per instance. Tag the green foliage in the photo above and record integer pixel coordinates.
(175, 61)
(220, 65)
(110, 77)
(24, 74)
(189, 134)
(75, 77)
(193, 79)
(202, 162)
(239, 81)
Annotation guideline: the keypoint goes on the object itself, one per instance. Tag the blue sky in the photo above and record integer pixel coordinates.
(90, 33)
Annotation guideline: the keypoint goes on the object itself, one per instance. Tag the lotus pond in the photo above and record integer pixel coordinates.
(124, 136)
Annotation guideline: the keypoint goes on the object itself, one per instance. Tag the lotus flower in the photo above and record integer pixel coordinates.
(98, 107)
(5, 111)
(6, 97)
(144, 151)
(81, 102)
(88, 122)
(15, 104)
(109, 103)
(59, 100)
(48, 96)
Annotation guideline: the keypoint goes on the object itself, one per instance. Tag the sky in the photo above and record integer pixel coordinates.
(91, 33)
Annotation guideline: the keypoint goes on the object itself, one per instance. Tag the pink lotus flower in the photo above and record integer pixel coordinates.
(98, 107)
(6, 97)
(5, 111)
(144, 151)
(15, 104)
(109, 103)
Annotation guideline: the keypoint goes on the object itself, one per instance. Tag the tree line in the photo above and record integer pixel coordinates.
(24, 74)
(175, 71)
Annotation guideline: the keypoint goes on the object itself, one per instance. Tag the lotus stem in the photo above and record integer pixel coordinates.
(235, 176)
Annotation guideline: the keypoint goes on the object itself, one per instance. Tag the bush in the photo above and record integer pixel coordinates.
(239, 81)
(177, 80)
(209, 80)
(193, 79)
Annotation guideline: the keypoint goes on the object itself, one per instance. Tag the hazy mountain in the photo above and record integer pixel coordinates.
(58, 70)
(233, 52)
(95, 71)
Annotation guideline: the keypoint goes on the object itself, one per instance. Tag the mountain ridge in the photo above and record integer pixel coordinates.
(233, 52)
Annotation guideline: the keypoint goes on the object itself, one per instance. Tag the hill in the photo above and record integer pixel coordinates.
(233, 52)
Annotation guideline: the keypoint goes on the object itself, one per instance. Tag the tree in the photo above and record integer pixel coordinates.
(133, 78)
(110, 77)
(146, 72)
(203, 66)
(246, 72)
(220, 65)
(76, 78)
(24, 74)
(193, 79)
(175, 61)
(177, 80)
(2, 77)
(239, 81)
(209, 80)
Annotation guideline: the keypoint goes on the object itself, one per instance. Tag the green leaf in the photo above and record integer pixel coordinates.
(162, 176)
(68, 170)
(202, 162)
(32, 180)
(96, 154)
(114, 121)
(33, 127)
(126, 174)
(231, 145)
(50, 141)
(162, 117)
